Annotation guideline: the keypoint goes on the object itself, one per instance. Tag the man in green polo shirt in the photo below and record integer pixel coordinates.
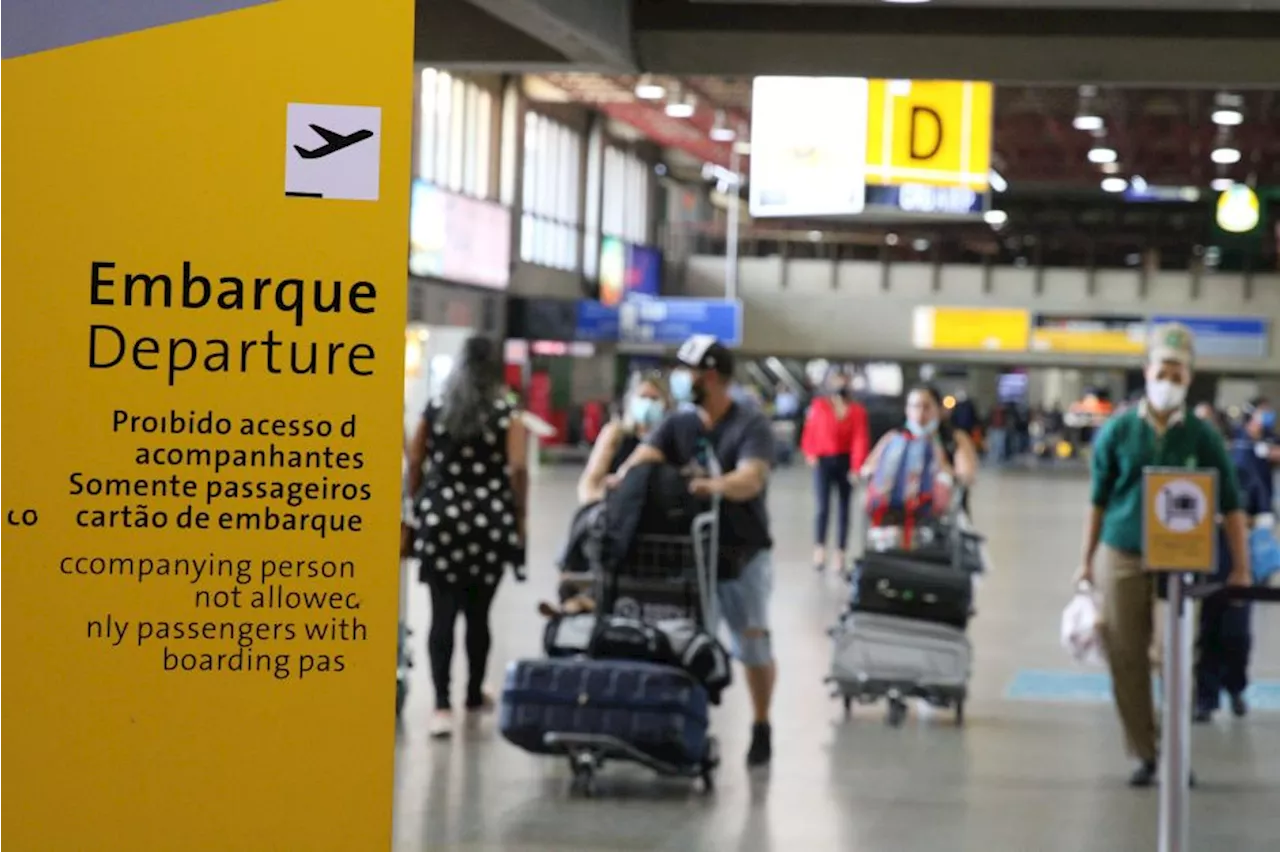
(1158, 431)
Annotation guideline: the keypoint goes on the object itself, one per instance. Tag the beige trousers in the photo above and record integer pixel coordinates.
(1130, 631)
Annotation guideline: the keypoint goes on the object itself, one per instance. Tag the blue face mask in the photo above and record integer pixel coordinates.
(920, 430)
(682, 385)
(645, 412)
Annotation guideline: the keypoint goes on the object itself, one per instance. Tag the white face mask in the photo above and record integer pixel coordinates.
(1164, 395)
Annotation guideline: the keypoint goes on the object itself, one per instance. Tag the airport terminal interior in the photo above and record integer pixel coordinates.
(1032, 220)
(1004, 201)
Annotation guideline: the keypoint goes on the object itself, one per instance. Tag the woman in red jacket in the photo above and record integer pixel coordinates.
(835, 442)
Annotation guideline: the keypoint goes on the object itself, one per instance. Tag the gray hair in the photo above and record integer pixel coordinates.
(471, 389)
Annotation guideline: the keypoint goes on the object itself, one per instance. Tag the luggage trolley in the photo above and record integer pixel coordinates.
(664, 577)
(930, 662)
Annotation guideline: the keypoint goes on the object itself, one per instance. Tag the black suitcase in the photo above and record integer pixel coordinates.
(908, 588)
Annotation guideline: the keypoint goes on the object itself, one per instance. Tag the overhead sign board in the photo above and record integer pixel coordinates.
(1089, 335)
(203, 352)
(808, 146)
(670, 321)
(971, 329)
(459, 239)
(1225, 337)
(1179, 529)
(935, 132)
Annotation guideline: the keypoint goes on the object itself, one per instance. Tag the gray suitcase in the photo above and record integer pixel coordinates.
(883, 656)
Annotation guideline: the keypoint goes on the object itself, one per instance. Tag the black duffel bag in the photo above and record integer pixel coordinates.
(910, 588)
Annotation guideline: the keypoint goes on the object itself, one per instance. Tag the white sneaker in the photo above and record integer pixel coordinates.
(440, 725)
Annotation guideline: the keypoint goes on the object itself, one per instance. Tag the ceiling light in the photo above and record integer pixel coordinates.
(1138, 182)
(742, 148)
(720, 130)
(1102, 155)
(1114, 184)
(998, 183)
(1225, 156)
(995, 218)
(682, 108)
(1110, 168)
(1087, 122)
(1227, 117)
(920, 244)
(815, 236)
(1221, 184)
(891, 239)
(647, 89)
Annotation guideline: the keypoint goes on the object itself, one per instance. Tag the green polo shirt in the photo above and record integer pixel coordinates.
(1129, 442)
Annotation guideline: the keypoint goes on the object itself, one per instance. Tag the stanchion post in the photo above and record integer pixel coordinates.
(1175, 770)
(1179, 539)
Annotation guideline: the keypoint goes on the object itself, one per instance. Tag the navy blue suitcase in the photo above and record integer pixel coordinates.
(659, 711)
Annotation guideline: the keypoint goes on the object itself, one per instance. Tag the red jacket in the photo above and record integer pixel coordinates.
(824, 435)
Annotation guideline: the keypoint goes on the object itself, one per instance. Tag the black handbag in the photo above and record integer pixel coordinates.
(911, 588)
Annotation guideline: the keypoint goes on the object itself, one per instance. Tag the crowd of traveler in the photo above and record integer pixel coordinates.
(467, 475)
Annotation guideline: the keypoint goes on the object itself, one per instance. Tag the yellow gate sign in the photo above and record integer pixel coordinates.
(204, 302)
(934, 132)
(1179, 513)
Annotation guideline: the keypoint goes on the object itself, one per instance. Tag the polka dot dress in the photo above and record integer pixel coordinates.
(466, 514)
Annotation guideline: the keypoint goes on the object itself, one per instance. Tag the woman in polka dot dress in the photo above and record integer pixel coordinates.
(468, 469)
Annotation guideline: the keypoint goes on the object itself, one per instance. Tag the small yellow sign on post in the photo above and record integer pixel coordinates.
(1179, 519)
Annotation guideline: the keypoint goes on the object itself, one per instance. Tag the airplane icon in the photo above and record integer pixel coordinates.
(334, 142)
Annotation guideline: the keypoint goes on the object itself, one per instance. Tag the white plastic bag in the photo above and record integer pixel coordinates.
(1081, 628)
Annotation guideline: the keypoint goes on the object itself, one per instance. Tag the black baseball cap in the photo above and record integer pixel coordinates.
(705, 352)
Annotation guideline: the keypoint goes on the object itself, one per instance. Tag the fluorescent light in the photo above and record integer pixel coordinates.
(998, 183)
(1087, 122)
(1225, 156)
(649, 90)
(1227, 117)
(1114, 184)
(1110, 168)
(720, 129)
(1221, 184)
(1102, 155)
(995, 218)
(680, 109)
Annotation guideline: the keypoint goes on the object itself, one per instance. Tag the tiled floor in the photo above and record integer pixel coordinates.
(1021, 776)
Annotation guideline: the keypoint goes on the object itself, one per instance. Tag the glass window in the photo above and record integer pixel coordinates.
(626, 197)
(552, 220)
(455, 133)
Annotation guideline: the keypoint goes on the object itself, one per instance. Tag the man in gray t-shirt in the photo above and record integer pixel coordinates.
(742, 441)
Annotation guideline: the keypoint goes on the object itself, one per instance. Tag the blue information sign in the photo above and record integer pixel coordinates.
(670, 321)
(662, 321)
(1225, 337)
(597, 322)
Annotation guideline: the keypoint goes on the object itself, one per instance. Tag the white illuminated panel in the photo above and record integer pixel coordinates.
(808, 146)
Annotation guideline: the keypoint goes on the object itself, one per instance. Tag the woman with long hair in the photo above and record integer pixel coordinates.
(468, 472)
(646, 403)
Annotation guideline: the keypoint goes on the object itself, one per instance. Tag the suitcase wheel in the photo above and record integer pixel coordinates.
(897, 712)
(584, 774)
(959, 712)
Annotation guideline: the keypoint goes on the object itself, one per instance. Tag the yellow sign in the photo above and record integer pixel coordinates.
(935, 132)
(1179, 528)
(204, 270)
(1085, 341)
(972, 329)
